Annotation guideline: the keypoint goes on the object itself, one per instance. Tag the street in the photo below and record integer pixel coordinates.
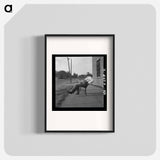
(94, 98)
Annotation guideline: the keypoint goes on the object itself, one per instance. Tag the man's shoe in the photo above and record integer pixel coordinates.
(69, 92)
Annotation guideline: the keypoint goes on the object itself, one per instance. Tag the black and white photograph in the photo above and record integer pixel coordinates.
(79, 82)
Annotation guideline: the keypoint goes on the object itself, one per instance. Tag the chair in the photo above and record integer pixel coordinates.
(84, 84)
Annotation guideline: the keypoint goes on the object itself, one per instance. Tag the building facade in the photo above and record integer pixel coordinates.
(98, 70)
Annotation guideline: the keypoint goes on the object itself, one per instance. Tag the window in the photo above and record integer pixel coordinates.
(98, 68)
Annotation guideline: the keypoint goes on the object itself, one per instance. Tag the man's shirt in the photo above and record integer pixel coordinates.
(89, 79)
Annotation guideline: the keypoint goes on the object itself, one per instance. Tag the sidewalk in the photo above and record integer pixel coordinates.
(94, 98)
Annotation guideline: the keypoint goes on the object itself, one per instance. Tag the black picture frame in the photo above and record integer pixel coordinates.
(104, 108)
(80, 109)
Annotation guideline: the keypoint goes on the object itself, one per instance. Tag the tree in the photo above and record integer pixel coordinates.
(75, 75)
(62, 74)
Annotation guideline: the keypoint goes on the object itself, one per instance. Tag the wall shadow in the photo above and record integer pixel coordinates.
(39, 85)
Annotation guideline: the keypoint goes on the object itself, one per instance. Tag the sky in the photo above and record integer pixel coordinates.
(80, 65)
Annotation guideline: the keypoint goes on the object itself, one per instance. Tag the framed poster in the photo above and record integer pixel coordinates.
(79, 81)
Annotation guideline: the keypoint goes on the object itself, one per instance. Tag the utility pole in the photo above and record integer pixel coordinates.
(69, 70)
(71, 67)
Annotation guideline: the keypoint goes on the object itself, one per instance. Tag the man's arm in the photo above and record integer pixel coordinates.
(89, 80)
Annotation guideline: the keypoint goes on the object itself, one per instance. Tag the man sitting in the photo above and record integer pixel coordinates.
(84, 83)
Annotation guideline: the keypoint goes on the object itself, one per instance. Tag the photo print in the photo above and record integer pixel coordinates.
(79, 82)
